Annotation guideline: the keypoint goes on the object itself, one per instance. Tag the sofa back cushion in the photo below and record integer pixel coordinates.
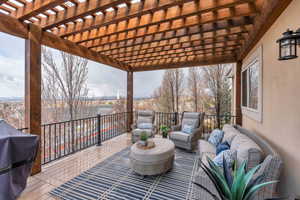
(229, 133)
(247, 150)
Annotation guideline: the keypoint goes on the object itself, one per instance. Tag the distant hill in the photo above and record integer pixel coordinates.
(11, 99)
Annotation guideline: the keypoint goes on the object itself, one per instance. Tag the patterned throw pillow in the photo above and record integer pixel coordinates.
(222, 147)
(230, 157)
(187, 129)
(215, 137)
(144, 125)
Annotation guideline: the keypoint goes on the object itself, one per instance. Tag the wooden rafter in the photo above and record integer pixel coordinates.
(147, 33)
(135, 11)
(36, 7)
(271, 12)
(82, 10)
(171, 19)
(169, 49)
(152, 45)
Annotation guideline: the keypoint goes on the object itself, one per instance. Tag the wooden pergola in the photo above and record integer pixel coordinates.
(136, 35)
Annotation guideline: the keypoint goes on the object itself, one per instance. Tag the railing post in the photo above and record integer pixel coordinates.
(99, 129)
(73, 135)
(176, 118)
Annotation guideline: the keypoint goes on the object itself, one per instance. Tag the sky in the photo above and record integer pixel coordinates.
(102, 79)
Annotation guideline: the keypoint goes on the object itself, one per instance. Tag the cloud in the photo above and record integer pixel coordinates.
(102, 80)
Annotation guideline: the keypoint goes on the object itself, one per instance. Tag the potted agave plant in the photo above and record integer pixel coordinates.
(164, 130)
(236, 184)
(143, 139)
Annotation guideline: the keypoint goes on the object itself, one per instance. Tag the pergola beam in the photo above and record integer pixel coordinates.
(12, 26)
(33, 74)
(194, 63)
(270, 12)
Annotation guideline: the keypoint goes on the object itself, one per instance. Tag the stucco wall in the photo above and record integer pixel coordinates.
(281, 100)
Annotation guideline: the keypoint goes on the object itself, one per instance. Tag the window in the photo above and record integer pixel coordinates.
(252, 86)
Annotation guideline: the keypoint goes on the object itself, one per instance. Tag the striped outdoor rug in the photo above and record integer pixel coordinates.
(113, 179)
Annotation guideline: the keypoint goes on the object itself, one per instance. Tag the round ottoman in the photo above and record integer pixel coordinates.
(157, 160)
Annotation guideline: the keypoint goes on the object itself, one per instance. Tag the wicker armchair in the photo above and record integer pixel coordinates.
(184, 140)
(143, 116)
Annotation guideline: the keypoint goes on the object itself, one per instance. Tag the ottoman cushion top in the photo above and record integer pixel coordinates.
(163, 150)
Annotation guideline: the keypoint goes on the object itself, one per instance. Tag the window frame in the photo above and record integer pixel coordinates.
(255, 114)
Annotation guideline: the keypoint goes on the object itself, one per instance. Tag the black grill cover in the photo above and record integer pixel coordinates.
(17, 153)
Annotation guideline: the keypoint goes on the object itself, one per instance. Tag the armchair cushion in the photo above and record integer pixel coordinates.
(178, 135)
(145, 125)
(187, 129)
(191, 118)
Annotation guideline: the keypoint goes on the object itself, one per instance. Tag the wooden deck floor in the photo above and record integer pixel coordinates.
(58, 172)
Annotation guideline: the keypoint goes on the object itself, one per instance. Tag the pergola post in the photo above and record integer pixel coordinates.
(129, 105)
(238, 93)
(33, 88)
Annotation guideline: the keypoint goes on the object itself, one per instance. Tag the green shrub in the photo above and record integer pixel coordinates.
(144, 136)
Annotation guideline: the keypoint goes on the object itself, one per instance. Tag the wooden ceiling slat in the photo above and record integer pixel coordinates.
(202, 38)
(204, 30)
(171, 54)
(133, 13)
(172, 47)
(34, 8)
(271, 12)
(149, 34)
(76, 12)
(195, 23)
(194, 63)
(198, 12)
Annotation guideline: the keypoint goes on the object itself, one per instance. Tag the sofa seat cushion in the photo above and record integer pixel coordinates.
(229, 133)
(247, 150)
(138, 131)
(178, 135)
(206, 147)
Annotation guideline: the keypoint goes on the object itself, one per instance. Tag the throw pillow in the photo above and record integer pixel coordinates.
(215, 137)
(187, 129)
(222, 147)
(228, 155)
(145, 126)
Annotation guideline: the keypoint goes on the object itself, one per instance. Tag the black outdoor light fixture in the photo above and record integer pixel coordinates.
(288, 44)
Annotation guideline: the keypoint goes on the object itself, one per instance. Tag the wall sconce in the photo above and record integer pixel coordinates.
(288, 44)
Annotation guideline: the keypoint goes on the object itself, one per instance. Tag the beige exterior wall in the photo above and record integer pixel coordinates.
(281, 100)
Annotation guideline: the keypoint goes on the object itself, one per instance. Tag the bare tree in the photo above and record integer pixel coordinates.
(195, 87)
(64, 86)
(219, 88)
(168, 94)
